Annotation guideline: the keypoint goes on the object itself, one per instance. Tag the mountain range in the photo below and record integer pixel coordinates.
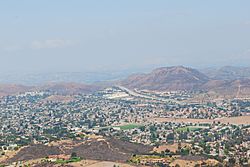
(233, 81)
(225, 81)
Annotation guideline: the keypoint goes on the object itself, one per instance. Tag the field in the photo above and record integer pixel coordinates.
(192, 163)
(129, 126)
(236, 120)
(231, 120)
(182, 120)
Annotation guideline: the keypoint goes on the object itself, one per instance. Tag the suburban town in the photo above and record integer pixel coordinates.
(170, 122)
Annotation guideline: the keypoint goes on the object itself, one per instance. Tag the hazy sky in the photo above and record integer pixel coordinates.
(81, 35)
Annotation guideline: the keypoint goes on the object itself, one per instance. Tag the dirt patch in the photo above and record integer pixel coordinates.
(182, 120)
(245, 120)
(85, 163)
(191, 161)
(172, 147)
(231, 120)
(91, 163)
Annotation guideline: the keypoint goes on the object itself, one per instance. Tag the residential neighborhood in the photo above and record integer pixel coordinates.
(205, 129)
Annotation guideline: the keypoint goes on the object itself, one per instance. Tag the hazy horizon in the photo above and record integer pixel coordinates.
(84, 36)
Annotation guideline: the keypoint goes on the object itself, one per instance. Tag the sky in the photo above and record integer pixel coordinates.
(103, 35)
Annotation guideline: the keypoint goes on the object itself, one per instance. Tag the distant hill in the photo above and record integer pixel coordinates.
(226, 81)
(70, 88)
(60, 88)
(12, 89)
(227, 73)
(167, 78)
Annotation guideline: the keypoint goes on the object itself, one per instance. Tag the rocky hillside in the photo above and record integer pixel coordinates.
(167, 78)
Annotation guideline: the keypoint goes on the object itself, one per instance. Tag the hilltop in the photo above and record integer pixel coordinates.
(167, 78)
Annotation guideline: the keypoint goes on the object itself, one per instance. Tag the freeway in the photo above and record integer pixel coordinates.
(137, 94)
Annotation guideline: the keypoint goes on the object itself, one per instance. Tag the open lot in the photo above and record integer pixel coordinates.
(236, 120)
(171, 147)
(91, 163)
(231, 120)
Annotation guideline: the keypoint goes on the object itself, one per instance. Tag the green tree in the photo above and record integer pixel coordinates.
(73, 155)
